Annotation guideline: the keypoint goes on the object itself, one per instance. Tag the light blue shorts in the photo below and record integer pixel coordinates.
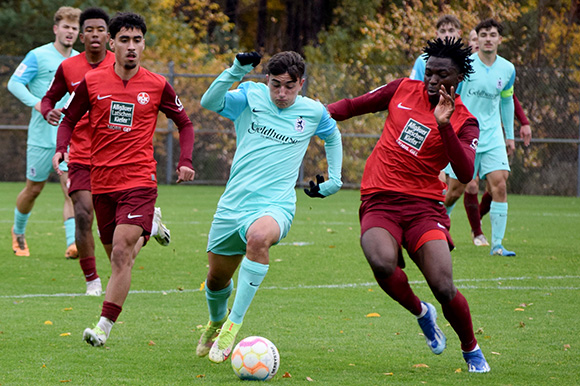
(487, 162)
(227, 235)
(39, 163)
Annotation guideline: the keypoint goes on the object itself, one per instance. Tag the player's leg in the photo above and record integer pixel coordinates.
(498, 211)
(68, 215)
(84, 240)
(472, 209)
(24, 204)
(454, 191)
(486, 199)
(159, 231)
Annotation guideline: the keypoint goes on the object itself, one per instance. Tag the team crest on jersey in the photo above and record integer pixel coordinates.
(121, 117)
(299, 126)
(413, 136)
(500, 84)
(178, 103)
(474, 143)
(143, 98)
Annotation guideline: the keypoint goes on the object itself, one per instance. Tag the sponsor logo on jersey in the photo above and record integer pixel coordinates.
(121, 116)
(413, 136)
(299, 125)
(271, 134)
(20, 69)
(482, 94)
(143, 98)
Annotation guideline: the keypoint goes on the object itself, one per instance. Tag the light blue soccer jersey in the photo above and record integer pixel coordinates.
(271, 142)
(488, 94)
(30, 82)
(418, 72)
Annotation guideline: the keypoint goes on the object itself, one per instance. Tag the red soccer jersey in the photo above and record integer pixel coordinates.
(123, 117)
(68, 76)
(412, 150)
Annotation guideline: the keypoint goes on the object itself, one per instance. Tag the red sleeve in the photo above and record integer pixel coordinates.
(173, 109)
(520, 115)
(460, 148)
(371, 102)
(55, 93)
(77, 106)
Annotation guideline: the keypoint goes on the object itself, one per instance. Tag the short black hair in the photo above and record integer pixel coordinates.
(287, 62)
(452, 49)
(93, 13)
(128, 20)
(489, 23)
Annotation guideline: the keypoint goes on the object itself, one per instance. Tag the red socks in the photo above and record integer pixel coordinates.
(472, 210)
(397, 287)
(111, 311)
(485, 204)
(89, 267)
(457, 314)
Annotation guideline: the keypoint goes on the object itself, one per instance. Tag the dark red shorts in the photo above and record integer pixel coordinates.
(79, 177)
(133, 206)
(406, 218)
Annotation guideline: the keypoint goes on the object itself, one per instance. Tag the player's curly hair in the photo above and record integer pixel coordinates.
(452, 49)
(128, 20)
(287, 62)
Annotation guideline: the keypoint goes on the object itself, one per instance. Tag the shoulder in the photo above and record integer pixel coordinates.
(505, 63)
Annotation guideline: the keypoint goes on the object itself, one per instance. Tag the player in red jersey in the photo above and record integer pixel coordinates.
(123, 101)
(427, 127)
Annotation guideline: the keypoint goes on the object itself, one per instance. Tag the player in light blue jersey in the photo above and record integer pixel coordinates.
(488, 94)
(273, 126)
(29, 83)
(447, 26)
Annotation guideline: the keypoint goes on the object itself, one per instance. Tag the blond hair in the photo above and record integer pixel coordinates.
(69, 14)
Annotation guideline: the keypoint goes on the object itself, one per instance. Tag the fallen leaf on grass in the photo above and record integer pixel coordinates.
(457, 371)
(309, 379)
(48, 323)
(65, 380)
(495, 353)
(388, 373)
(67, 309)
(418, 365)
(180, 288)
(65, 334)
(43, 366)
(519, 309)
(202, 286)
(373, 315)
(200, 376)
(522, 325)
(566, 347)
(370, 290)
(351, 364)
(479, 331)
(151, 343)
(286, 375)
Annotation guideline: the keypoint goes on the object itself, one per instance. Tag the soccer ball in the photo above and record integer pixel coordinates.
(255, 358)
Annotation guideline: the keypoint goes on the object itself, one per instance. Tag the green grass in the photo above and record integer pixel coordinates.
(312, 304)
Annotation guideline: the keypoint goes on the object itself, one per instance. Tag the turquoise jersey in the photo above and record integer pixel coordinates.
(30, 82)
(271, 142)
(488, 94)
(418, 72)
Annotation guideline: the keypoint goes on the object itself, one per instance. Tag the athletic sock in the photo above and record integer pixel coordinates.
(457, 314)
(89, 267)
(69, 229)
(217, 301)
(397, 287)
(498, 215)
(20, 221)
(250, 277)
(472, 210)
(485, 204)
(449, 209)
(111, 311)
(154, 228)
(105, 324)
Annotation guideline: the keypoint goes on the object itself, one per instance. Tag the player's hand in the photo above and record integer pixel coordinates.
(526, 134)
(510, 146)
(56, 160)
(445, 107)
(185, 174)
(314, 191)
(252, 58)
(53, 116)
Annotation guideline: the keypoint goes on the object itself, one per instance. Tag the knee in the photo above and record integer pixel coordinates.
(83, 217)
(444, 292)
(383, 266)
(121, 258)
(258, 241)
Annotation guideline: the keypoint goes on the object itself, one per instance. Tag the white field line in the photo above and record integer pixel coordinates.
(461, 283)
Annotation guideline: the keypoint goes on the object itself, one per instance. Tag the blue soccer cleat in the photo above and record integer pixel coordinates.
(476, 362)
(433, 335)
(499, 250)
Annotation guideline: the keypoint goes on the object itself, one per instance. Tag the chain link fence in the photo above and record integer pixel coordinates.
(550, 98)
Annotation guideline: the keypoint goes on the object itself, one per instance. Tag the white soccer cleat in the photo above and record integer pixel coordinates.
(95, 336)
(94, 287)
(163, 235)
(479, 240)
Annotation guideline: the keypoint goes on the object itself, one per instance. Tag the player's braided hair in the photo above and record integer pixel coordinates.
(452, 49)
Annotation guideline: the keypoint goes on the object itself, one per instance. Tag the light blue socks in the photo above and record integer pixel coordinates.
(69, 229)
(20, 221)
(498, 216)
(250, 277)
(217, 301)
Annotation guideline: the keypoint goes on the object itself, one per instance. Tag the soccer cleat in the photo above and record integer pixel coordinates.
(72, 252)
(163, 235)
(95, 336)
(479, 240)
(224, 343)
(209, 334)
(433, 335)
(476, 362)
(499, 250)
(94, 287)
(19, 245)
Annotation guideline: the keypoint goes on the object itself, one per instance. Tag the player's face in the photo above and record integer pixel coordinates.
(128, 46)
(473, 41)
(488, 39)
(448, 31)
(95, 35)
(283, 89)
(440, 72)
(66, 32)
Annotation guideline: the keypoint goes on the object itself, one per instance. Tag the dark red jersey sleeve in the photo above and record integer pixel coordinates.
(77, 106)
(172, 107)
(55, 92)
(371, 102)
(520, 115)
(460, 148)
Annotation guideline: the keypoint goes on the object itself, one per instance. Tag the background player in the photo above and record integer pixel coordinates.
(29, 84)
(273, 126)
(427, 127)
(123, 101)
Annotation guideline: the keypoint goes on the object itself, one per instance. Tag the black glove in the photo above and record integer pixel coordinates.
(314, 190)
(252, 58)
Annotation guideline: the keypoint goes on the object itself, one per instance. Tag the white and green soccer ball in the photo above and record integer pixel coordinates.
(255, 358)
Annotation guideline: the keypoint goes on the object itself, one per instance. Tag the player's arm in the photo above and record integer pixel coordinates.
(230, 104)
(507, 113)
(25, 72)
(371, 102)
(172, 107)
(525, 129)
(55, 93)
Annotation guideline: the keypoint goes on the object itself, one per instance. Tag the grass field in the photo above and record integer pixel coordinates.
(313, 303)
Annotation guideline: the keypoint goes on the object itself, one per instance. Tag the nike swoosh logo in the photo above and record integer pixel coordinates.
(403, 107)
(257, 111)
(134, 215)
(75, 83)
(104, 96)
(254, 285)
